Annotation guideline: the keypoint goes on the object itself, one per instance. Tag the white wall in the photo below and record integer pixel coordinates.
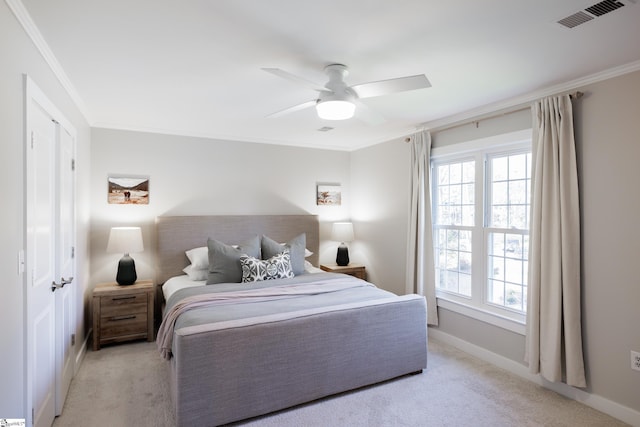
(607, 123)
(380, 178)
(607, 128)
(18, 56)
(196, 176)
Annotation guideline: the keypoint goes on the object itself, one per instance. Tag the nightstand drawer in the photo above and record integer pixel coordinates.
(117, 305)
(123, 325)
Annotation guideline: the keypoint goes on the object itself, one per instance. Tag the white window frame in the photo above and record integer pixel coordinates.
(477, 306)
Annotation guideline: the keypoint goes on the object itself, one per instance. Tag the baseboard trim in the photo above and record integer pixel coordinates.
(83, 351)
(609, 407)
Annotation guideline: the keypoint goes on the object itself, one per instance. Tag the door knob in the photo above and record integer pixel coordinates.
(60, 285)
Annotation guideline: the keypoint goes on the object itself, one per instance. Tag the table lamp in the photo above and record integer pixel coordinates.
(342, 232)
(125, 240)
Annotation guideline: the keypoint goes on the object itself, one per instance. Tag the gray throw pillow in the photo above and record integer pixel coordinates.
(297, 247)
(224, 260)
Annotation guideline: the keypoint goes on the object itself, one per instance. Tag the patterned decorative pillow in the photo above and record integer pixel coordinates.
(276, 267)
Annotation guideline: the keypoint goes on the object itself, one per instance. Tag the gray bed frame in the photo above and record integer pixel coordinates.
(220, 375)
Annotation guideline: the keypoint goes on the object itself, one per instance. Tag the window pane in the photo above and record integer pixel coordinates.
(500, 193)
(453, 260)
(518, 166)
(443, 174)
(496, 267)
(513, 271)
(468, 213)
(500, 169)
(465, 262)
(468, 172)
(455, 173)
(468, 196)
(518, 217)
(495, 291)
(465, 240)
(510, 192)
(496, 244)
(452, 239)
(517, 192)
(507, 270)
(464, 287)
(513, 297)
(455, 193)
(499, 217)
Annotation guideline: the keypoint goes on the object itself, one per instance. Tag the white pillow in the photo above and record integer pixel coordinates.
(309, 268)
(199, 258)
(307, 252)
(195, 274)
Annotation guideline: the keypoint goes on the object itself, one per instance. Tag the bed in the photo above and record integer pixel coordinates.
(321, 334)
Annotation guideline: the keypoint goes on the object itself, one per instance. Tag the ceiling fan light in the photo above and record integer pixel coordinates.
(335, 110)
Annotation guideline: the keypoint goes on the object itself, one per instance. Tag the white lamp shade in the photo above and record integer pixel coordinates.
(125, 240)
(335, 110)
(342, 232)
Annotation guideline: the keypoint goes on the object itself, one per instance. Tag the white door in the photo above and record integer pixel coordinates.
(50, 241)
(41, 268)
(65, 296)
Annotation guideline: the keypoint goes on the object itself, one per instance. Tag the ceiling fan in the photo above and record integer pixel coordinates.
(337, 101)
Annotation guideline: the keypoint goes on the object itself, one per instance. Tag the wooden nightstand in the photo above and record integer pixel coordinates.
(122, 313)
(356, 270)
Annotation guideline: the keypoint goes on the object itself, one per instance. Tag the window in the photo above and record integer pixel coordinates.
(481, 200)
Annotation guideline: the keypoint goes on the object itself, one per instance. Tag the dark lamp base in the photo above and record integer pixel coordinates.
(126, 271)
(342, 257)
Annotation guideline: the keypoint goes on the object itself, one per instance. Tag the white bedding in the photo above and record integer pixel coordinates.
(183, 281)
(179, 282)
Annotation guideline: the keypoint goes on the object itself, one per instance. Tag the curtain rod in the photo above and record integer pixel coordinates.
(573, 95)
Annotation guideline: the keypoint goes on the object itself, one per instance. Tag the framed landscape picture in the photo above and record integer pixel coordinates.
(329, 194)
(128, 190)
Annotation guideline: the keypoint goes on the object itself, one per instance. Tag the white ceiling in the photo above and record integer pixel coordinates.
(193, 67)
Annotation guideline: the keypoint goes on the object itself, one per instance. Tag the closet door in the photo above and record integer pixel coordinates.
(50, 266)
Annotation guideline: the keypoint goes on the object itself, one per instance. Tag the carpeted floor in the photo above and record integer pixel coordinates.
(124, 385)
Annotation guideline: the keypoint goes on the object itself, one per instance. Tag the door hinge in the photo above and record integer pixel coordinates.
(32, 140)
(73, 339)
(33, 415)
(73, 164)
(73, 252)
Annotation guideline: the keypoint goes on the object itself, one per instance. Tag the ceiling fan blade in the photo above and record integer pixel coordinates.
(386, 87)
(293, 109)
(368, 115)
(296, 79)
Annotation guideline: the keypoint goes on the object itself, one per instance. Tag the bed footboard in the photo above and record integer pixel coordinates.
(222, 374)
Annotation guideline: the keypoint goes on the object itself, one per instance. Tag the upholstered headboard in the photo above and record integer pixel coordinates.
(177, 234)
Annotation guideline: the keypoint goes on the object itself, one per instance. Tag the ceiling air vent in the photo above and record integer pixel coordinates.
(575, 19)
(603, 7)
(592, 12)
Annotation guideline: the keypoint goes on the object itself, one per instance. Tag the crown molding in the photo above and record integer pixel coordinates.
(22, 15)
(512, 104)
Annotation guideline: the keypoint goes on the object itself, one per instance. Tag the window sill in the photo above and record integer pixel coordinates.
(483, 315)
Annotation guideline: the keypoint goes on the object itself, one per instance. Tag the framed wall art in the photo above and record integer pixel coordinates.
(128, 190)
(329, 194)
